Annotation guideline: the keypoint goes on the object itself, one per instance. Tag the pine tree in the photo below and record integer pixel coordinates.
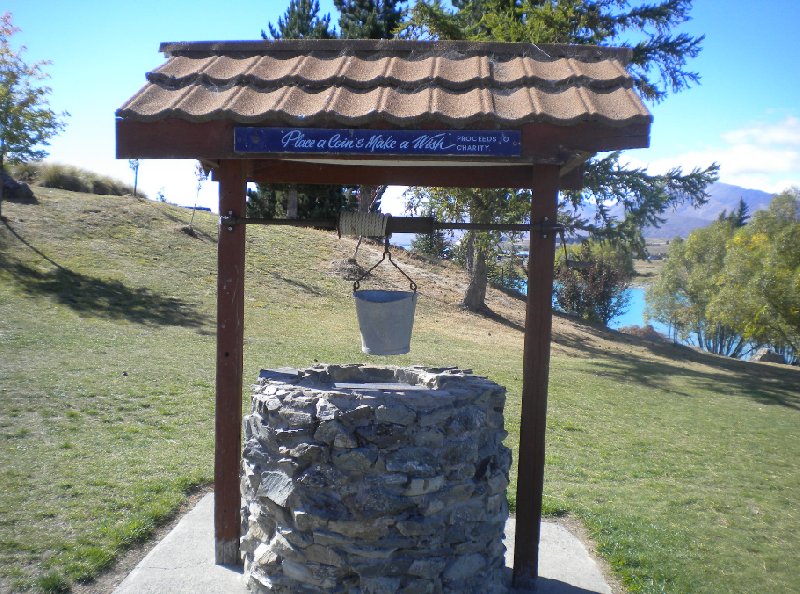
(659, 66)
(738, 216)
(301, 21)
(369, 19)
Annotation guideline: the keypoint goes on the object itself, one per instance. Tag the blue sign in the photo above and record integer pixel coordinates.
(465, 143)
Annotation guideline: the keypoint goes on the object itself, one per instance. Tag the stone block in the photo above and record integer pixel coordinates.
(423, 486)
(428, 568)
(380, 585)
(396, 414)
(313, 575)
(356, 460)
(464, 567)
(414, 461)
(276, 486)
(329, 430)
(384, 435)
(326, 410)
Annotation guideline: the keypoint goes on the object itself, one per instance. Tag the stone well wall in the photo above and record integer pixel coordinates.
(397, 487)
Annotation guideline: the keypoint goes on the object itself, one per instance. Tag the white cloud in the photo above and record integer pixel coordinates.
(763, 156)
(786, 132)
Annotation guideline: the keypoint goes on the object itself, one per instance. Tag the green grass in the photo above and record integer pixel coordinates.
(685, 468)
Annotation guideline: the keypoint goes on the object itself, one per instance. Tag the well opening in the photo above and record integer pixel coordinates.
(360, 478)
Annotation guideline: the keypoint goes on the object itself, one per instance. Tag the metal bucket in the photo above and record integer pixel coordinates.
(385, 319)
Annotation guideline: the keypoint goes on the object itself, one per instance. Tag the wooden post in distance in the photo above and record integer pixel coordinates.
(230, 341)
(535, 374)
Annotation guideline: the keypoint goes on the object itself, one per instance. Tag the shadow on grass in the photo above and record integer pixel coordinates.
(304, 287)
(766, 384)
(763, 383)
(98, 297)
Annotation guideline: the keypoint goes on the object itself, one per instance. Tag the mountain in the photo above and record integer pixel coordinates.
(684, 219)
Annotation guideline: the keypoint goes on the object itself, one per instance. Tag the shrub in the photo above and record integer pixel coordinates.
(591, 288)
(68, 177)
(63, 177)
(25, 172)
(108, 186)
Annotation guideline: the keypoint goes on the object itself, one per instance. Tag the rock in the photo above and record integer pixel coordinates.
(322, 577)
(14, 190)
(276, 486)
(380, 585)
(326, 410)
(374, 491)
(464, 567)
(423, 486)
(356, 460)
(396, 414)
(766, 355)
(428, 568)
(419, 462)
(334, 433)
(383, 435)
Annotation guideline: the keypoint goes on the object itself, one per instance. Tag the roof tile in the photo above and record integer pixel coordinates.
(354, 82)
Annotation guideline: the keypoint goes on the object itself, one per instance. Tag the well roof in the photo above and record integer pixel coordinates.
(403, 84)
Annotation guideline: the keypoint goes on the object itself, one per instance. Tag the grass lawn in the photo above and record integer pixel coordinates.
(684, 467)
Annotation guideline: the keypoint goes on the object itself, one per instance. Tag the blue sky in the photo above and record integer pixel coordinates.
(745, 114)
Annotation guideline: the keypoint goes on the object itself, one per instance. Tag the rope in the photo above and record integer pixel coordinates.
(363, 224)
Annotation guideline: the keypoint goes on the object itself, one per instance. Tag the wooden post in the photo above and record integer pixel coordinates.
(535, 373)
(230, 342)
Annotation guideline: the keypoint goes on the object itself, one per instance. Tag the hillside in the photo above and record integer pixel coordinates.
(683, 467)
(684, 219)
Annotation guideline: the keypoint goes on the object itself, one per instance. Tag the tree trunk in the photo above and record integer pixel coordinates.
(291, 203)
(475, 295)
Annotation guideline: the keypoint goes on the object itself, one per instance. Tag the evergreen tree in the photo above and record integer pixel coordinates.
(301, 21)
(738, 216)
(660, 57)
(369, 19)
(659, 66)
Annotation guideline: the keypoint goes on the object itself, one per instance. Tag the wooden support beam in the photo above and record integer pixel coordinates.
(230, 341)
(173, 138)
(535, 374)
(410, 173)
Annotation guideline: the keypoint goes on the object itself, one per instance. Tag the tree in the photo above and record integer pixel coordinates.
(593, 283)
(270, 201)
(301, 21)
(435, 245)
(660, 58)
(759, 288)
(738, 217)
(369, 19)
(476, 250)
(690, 280)
(26, 120)
(659, 66)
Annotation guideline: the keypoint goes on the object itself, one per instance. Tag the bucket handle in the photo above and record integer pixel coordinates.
(386, 253)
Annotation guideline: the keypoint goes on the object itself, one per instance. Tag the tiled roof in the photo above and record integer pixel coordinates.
(399, 83)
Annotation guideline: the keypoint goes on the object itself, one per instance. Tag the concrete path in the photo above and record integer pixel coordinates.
(183, 563)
